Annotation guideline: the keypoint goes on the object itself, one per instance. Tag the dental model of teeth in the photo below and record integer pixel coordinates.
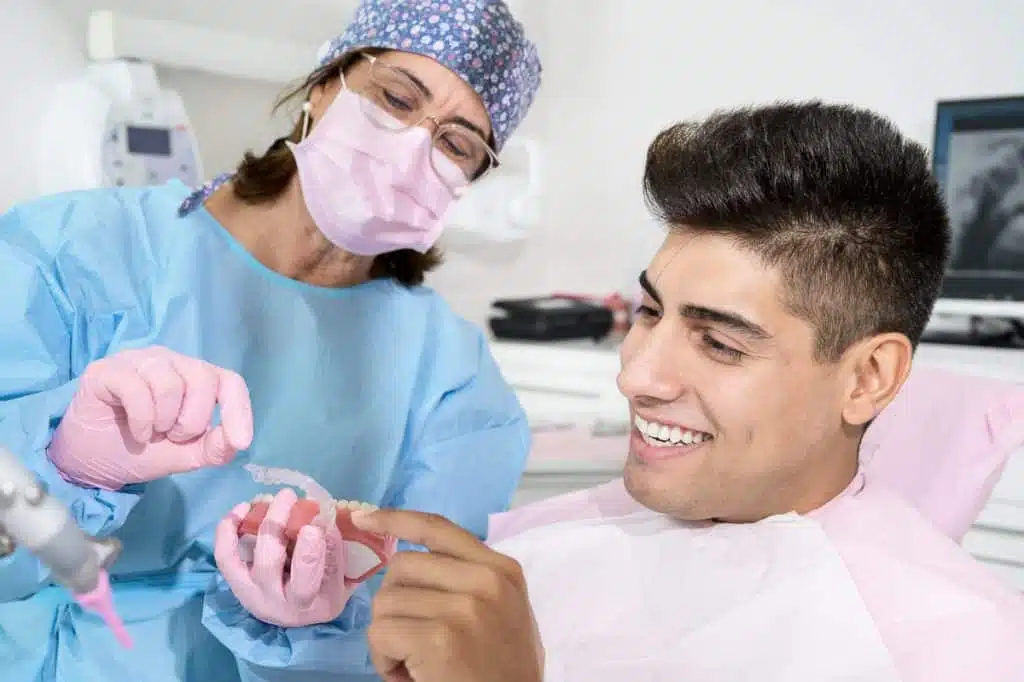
(662, 435)
(365, 553)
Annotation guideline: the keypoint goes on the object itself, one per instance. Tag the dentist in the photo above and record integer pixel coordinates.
(154, 340)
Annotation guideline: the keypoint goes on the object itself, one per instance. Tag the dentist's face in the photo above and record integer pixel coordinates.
(734, 417)
(417, 90)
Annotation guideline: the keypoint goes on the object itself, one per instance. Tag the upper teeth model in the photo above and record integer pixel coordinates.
(365, 553)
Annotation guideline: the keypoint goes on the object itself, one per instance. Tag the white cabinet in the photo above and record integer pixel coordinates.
(563, 382)
(556, 380)
(576, 382)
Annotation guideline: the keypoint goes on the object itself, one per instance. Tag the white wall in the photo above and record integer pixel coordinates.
(471, 280)
(230, 115)
(617, 71)
(27, 25)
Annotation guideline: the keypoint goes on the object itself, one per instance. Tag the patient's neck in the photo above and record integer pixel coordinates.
(823, 479)
(826, 476)
(825, 486)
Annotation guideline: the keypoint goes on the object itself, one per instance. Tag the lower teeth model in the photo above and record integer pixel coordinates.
(365, 553)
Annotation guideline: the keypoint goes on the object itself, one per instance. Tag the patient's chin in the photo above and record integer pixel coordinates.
(660, 494)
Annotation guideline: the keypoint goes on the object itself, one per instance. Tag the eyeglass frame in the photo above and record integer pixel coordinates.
(438, 125)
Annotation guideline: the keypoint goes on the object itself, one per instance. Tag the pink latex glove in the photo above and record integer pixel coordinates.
(140, 415)
(308, 590)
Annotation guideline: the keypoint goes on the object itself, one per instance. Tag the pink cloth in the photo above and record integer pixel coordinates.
(940, 615)
(609, 499)
(644, 597)
(943, 443)
(943, 616)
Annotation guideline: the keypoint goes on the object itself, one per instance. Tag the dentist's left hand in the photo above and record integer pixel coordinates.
(306, 590)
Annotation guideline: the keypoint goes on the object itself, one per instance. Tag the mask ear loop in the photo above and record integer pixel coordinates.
(306, 108)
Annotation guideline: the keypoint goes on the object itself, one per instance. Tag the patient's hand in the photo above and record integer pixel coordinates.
(458, 613)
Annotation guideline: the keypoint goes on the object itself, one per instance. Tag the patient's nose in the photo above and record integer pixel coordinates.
(650, 367)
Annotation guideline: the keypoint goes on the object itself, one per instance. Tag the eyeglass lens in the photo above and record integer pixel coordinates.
(405, 104)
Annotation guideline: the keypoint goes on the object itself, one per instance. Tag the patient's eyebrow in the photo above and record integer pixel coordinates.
(648, 288)
(733, 321)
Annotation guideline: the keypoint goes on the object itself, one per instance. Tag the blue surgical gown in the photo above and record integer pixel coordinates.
(379, 391)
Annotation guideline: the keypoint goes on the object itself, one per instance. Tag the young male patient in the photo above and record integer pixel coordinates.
(805, 250)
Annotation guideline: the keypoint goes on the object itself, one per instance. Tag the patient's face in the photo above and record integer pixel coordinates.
(737, 415)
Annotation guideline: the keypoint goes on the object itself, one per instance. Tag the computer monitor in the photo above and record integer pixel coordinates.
(978, 159)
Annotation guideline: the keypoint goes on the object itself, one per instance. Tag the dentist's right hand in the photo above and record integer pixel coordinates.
(141, 415)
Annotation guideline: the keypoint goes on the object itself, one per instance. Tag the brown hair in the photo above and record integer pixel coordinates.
(834, 197)
(263, 179)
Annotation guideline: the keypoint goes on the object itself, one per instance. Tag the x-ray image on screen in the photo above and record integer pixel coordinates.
(985, 194)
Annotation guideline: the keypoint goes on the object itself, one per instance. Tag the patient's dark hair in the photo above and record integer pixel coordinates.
(833, 197)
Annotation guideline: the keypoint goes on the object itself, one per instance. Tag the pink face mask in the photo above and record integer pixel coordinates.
(370, 190)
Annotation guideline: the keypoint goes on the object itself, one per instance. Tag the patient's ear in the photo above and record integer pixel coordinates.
(877, 367)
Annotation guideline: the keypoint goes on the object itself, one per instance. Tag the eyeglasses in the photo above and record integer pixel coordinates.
(458, 154)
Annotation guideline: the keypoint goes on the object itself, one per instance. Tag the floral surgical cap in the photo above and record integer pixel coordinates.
(479, 40)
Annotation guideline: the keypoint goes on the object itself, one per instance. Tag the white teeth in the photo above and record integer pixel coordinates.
(663, 435)
(340, 504)
(356, 506)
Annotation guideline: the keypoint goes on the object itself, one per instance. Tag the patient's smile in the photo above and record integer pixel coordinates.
(657, 440)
